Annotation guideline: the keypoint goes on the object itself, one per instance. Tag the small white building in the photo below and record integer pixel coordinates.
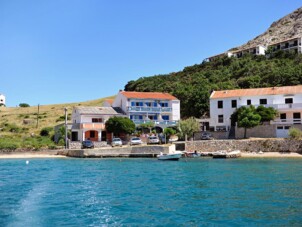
(286, 100)
(89, 123)
(141, 107)
(255, 50)
(2, 100)
(215, 57)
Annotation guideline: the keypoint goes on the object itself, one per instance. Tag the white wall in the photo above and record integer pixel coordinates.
(2, 99)
(227, 109)
(175, 104)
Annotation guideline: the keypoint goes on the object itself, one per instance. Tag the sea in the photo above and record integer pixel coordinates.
(148, 192)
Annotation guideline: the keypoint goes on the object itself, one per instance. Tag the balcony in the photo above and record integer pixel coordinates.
(289, 121)
(160, 123)
(140, 109)
(290, 106)
(89, 125)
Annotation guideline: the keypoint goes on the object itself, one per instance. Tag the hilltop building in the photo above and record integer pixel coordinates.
(292, 44)
(286, 100)
(2, 100)
(288, 44)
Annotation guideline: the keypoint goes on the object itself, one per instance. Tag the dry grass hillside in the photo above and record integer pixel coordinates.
(25, 118)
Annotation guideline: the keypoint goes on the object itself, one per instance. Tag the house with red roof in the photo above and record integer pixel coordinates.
(286, 100)
(141, 107)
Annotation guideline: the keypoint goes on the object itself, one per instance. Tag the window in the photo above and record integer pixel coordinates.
(220, 118)
(234, 103)
(164, 104)
(94, 120)
(283, 117)
(288, 100)
(155, 104)
(287, 127)
(220, 104)
(248, 102)
(263, 101)
(165, 117)
(297, 118)
(148, 104)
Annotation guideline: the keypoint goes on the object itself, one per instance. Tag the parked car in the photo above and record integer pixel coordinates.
(207, 136)
(87, 144)
(135, 141)
(153, 140)
(116, 142)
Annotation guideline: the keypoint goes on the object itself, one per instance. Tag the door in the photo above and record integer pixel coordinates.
(282, 131)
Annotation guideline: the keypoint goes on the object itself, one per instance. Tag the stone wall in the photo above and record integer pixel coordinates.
(78, 145)
(261, 131)
(255, 145)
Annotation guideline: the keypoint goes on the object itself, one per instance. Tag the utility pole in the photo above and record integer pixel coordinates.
(38, 115)
(65, 109)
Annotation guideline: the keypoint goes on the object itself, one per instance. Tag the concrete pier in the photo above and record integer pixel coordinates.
(127, 151)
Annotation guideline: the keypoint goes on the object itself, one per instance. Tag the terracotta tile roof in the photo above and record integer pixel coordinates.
(148, 95)
(110, 101)
(257, 92)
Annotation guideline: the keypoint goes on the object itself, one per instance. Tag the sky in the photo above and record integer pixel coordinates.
(55, 51)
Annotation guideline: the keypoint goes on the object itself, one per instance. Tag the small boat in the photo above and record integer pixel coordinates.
(194, 154)
(171, 156)
(226, 154)
(220, 154)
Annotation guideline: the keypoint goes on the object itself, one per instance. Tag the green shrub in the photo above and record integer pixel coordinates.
(62, 118)
(46, 131)
(24, 105)
(295, 133)
(7, 143)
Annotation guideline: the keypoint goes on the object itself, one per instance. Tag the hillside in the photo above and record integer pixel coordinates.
(25, 119)
(193, 85)
(287, 27)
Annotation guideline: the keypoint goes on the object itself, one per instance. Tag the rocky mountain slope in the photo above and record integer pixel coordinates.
(287, 27)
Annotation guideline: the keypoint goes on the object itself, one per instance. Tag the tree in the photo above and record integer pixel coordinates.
(120, 125)
(168, 132)
(188, 127)
(247, 117)
(24, 105)
(266, 113)
(148, 125)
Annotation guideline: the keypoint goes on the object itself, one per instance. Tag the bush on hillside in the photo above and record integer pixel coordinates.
(24, 105)
(46, 131)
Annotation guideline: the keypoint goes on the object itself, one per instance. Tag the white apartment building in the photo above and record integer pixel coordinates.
(2, 100)
(286, 100)
(289, 44)
(141, 107)
(89, 123)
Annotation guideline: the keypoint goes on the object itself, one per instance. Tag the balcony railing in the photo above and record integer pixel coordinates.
(289, 121)
(282, 106)
(88, 125)
(149, 109)
(170, 123)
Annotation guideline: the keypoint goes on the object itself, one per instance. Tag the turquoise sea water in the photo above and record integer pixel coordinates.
(148, 192)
